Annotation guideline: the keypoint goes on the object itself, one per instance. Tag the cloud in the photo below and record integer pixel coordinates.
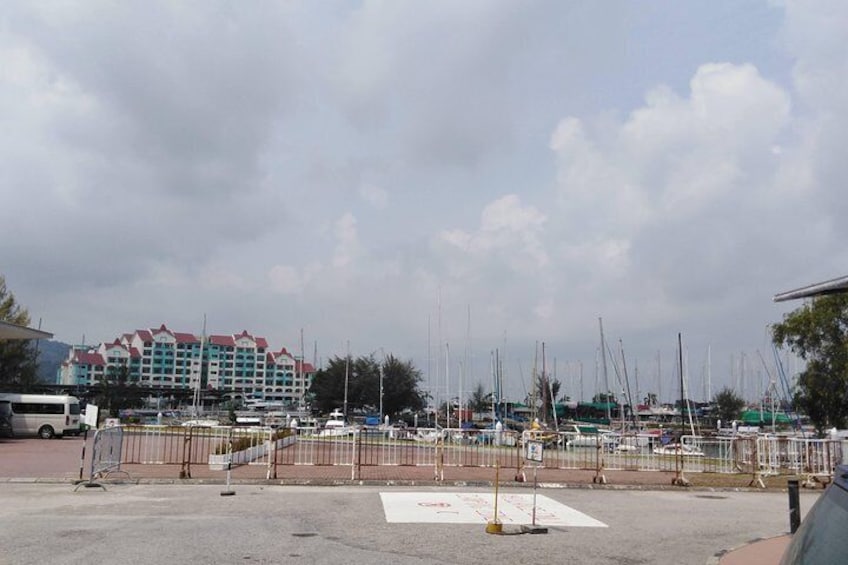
(671, 165)
(374, 195)
(508, 229)
(347, 166)
(815, 36)
(348, 247)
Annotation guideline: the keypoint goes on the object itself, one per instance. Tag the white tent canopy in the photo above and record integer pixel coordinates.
(13, 331)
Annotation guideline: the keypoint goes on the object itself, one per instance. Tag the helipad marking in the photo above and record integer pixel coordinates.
(474, 508)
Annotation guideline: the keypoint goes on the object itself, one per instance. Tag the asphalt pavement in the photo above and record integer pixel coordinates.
(151, 516)
(130, 523)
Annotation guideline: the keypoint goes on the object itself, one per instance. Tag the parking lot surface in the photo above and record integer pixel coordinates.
(317, 514)
(153, 523)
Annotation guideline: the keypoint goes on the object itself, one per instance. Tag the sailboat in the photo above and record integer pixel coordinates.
(196, 401)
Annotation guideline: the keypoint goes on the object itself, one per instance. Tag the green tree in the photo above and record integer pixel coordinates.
(818, 333)
(728, 405)
(480, 401)
(400, 382)
(18, 358)
(547, 392)
(114, 392)
(328, 385)
(400, 387)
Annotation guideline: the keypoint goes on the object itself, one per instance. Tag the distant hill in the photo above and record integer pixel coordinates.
(50, 357)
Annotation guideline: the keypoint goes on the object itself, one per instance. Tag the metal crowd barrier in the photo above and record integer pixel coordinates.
(359, 447)
(105, 453)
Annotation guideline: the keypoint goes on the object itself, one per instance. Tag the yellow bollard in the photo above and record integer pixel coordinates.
(494, 526)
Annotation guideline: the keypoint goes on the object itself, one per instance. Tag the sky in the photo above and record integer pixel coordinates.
(431, 179)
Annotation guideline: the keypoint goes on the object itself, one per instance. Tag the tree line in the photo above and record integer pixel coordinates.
(367, 384)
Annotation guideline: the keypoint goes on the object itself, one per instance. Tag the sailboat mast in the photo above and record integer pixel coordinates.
(709, 374)
(347, 378)
(533, 385)
(553, 400)
(494, 385)
(627, 385)
(679, 459)
(659, 378)
(466, 366)
(438, 356)
(604, 363)
(447, 383)
(544, 384)
(429, 371)
(197, 383)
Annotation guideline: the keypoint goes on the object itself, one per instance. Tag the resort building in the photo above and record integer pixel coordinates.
(238, 365)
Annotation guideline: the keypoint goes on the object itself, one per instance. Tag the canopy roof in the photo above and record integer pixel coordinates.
(833, 286)
(764, 416)
(14, 331)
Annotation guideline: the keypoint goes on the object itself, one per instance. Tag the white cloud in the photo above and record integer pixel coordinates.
(246, 159)
(507, 228)
(374, 195)
(634, 192)
(288, 279)
(348, 248)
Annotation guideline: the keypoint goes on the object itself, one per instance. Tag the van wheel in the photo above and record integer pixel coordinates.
(46, 432)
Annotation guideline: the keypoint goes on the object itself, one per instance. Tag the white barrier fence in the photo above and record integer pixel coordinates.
(359, 446)
(106, 452)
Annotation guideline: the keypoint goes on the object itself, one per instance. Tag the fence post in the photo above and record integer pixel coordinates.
(439, 470)
(270, 451)
(185, 468)
(757, 479)
(755, 461)
(794, 506)
(520, 477)
(599, 477)
(273, 462)
(355, 470)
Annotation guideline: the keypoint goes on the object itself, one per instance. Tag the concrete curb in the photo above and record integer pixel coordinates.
(379, 482)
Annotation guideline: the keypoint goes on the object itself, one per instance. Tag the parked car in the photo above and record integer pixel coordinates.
(821, 538)
(6, 419)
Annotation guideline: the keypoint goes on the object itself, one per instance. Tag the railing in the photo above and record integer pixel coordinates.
(106, 452)
(358, 447)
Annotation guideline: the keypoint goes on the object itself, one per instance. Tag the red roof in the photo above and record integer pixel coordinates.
(116, 343)
(222, 340)
(162, 329)
(144, 335)
(186, 338)
(305, 368)
(86, 358)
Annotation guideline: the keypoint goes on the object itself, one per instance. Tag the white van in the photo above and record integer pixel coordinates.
(44, 415)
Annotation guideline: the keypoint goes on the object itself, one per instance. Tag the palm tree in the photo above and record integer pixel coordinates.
(480, 399)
